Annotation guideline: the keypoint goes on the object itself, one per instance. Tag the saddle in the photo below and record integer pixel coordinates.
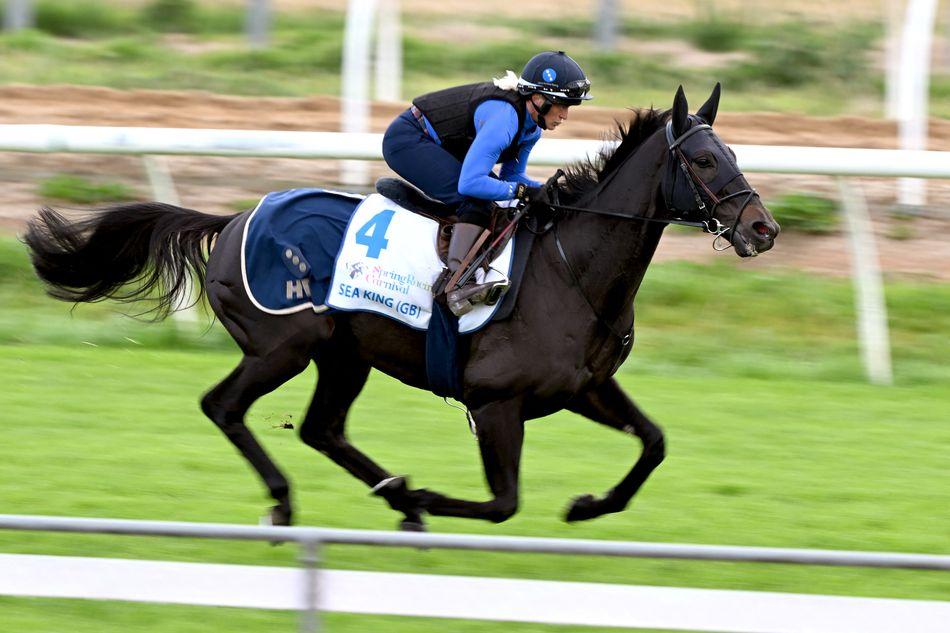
(413, 199)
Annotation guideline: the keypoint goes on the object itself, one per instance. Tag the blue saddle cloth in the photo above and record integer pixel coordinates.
(290, 244)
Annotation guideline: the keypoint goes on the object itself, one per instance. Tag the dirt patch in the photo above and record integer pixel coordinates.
(225, 185)
(685, 54)
(190, 45)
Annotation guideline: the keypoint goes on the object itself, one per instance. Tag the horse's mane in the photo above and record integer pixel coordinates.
(581, 177)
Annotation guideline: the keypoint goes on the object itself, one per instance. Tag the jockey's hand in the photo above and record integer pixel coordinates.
(530, 195)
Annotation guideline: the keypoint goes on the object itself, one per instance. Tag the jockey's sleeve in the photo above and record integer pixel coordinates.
(513, 170)
(496, 124)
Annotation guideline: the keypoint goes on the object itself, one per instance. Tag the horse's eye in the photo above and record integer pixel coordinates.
(703, 162)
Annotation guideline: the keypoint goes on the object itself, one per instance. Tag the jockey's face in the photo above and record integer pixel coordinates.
(555, 116)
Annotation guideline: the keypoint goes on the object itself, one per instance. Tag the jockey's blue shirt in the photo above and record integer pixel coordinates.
(496, 126)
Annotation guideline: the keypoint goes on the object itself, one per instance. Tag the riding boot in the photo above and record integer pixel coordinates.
(462, 300)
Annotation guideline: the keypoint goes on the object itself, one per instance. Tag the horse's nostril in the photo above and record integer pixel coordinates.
(763, 229)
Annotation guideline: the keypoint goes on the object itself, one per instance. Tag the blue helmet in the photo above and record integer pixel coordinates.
(556, 76)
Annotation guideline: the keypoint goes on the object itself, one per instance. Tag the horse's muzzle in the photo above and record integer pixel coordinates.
(764, 233)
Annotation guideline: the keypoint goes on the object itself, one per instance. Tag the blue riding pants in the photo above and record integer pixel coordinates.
(416, 157)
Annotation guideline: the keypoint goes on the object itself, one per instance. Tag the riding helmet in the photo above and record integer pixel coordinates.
(556, 76)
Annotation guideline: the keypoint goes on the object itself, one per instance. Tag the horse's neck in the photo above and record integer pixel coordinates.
(611, 255)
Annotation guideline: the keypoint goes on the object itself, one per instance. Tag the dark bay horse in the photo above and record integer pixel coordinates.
(571, 328)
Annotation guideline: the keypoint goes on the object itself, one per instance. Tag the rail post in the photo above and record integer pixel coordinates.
(310, 561)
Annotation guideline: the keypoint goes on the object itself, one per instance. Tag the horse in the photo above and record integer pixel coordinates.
(569, 332)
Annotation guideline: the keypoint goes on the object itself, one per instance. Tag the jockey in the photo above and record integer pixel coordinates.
(448, 142)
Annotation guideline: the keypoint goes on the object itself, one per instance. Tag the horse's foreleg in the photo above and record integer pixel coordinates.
(227, 403)
(609, 405)
(500, 432)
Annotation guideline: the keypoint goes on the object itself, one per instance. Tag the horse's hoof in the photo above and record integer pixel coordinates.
(583, 508)
(279, 515)
(407, 525)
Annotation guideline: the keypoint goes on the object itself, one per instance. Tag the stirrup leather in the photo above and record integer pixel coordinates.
(462, 290)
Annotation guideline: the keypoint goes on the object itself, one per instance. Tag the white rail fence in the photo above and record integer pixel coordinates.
(831, 161)
(310, 590)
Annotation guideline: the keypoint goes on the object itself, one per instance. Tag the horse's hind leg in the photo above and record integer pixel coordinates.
(342, 376)
(500, 431)
(227, 403)
(500, 438)
(276, 348)
(609, 405)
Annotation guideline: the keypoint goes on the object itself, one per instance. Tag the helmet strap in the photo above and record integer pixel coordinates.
(543, 110)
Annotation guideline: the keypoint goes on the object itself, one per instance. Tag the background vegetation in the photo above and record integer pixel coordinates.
(692, 320)
(815, 67)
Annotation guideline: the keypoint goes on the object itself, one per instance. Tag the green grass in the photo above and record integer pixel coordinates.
(83, 18)
(806, 212)
(84, 191)
(790, 463)
(90, 19)
(93, 617)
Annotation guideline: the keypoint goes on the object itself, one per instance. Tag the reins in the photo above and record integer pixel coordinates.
(709, 223)
(705, 225)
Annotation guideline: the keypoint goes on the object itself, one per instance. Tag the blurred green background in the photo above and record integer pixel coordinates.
(774, 437)
(772, 57)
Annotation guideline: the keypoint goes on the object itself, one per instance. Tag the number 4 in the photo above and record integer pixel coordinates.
(372, 235)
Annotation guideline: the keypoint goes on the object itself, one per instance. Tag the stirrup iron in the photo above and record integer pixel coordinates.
(462, 300)
(497, 291)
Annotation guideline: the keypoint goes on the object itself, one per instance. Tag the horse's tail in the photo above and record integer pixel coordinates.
(127, 252)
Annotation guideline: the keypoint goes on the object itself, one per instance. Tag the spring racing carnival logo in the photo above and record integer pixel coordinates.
(383, 286)
(354, 270)
(384, 279)
(396, 282)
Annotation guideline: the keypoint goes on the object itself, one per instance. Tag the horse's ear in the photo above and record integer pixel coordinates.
(708, 112)
(680, 112)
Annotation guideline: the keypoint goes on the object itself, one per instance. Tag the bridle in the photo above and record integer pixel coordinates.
(701, 216)
(697, 185)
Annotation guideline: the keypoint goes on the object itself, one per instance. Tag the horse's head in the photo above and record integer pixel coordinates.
(703, 181)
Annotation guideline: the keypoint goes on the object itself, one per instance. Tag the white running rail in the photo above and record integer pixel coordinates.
(833, 161)
(537, 601)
